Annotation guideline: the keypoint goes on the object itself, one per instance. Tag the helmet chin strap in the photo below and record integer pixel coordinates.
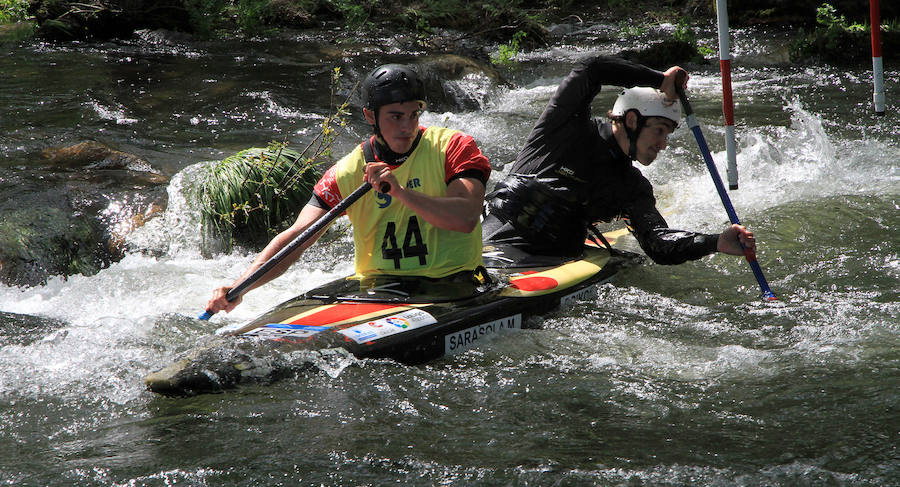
(633, 135)
(376, 127)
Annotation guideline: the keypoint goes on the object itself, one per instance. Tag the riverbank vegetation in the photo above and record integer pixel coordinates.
(837, 40)
(829, 29)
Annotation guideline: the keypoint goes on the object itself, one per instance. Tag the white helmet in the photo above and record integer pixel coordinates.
(649, 102)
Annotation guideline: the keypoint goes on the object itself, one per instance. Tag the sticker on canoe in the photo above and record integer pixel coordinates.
(468, 338)
(391, 325)
(580, 295)
(274, 331)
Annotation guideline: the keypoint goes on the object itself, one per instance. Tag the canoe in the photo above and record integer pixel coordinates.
(409, 320)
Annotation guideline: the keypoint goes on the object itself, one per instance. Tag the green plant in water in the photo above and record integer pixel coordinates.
(706, 51)
(684, 32)
(250, 196)
(507, 53)
(632, 29)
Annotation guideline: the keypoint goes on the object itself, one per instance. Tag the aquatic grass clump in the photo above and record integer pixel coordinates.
(250, 196)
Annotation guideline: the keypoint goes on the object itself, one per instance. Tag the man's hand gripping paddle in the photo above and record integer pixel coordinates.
(720, 187)
(244, 286)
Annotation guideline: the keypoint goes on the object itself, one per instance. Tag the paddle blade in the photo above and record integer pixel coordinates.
(205, 316)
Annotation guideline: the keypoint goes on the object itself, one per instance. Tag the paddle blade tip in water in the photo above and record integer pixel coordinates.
(205, 316)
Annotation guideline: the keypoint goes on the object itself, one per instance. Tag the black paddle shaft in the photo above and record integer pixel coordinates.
(243, 286)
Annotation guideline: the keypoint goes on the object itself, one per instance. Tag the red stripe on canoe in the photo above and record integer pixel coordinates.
(341, 312)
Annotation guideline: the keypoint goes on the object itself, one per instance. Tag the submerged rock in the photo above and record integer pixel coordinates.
(662, 55)
(72, 217)
(20, 329)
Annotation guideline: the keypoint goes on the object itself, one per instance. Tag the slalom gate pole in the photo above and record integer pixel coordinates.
(727, 100)
(877, 65)
(242, 287)
(723, 195)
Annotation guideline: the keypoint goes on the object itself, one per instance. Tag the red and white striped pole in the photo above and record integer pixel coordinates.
(727, 100)
(877, 66)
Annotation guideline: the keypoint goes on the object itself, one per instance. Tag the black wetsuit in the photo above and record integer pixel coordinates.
(571, 173)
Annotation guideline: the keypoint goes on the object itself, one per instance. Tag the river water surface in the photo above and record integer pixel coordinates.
(673, 376)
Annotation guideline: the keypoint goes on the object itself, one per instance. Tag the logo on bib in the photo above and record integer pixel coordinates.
(384, 200)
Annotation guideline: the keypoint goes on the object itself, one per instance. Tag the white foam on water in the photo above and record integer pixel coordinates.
(776, 166)
(131, 317)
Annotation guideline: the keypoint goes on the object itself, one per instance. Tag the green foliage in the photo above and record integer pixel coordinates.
(507, 53)
(684, 32)
(494, 19)
(205, 15)
(211, 17)
(827, 16)
(836, 40)
(249, 197)
(251, 15)
(13, 11)
(706, 51)
(835, 26)
(355, 12)
(630, 28)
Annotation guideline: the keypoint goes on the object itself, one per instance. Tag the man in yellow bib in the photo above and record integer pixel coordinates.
(422, 218)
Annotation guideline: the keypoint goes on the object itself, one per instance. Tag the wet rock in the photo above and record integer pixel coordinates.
(662, 55)
(72, 217)
(162, 37)
(457, 83)
(19, 329)
(67, 20)
(37, 242)
(95, 155)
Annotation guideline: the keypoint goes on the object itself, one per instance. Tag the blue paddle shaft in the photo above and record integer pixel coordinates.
(723, 195)
(242, 287)
(713, 171)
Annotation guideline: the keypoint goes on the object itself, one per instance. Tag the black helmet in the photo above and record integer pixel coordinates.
(391, 83)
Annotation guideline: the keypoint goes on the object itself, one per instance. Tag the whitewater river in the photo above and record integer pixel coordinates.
(675, 376)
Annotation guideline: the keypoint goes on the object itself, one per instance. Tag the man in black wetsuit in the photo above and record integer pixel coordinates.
(575, 170)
